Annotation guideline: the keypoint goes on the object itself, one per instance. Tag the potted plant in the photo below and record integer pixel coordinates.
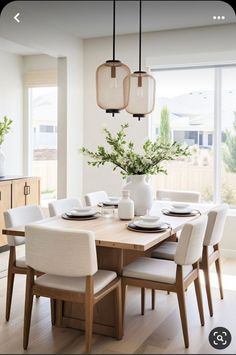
(136, 166)
(5, 127)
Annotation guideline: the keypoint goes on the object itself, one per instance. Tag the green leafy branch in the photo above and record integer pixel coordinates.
(121, 154)
(5, 127)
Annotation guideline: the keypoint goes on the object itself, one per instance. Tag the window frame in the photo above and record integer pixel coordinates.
(217, 112)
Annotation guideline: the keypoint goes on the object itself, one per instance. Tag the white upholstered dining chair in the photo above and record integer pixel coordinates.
(16, 217)
(93, 198)
(173, 276)
(210, 252)
(76, 279)
(58, 207)
(178, 196)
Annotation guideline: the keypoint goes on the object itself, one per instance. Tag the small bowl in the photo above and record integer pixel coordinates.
(180, 205)
(150, 218)
(114, 199)
(82, 209)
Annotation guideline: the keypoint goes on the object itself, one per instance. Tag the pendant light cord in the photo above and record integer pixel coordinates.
(140, 35)
(114, 29)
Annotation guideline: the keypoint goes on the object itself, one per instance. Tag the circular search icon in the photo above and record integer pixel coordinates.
(220, 338)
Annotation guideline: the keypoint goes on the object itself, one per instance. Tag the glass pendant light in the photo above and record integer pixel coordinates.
(139, 87)
(109, 80)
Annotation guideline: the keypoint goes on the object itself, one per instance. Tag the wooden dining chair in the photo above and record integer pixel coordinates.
(210, 252)
(68, 260)
(93, 198)
(173, 276)
(178, 196)
(58, 207)
(16, 265)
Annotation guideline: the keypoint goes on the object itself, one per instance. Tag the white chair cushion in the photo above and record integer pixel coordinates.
(167, 251)
(154, 270)
(20, 262)
(77, 284)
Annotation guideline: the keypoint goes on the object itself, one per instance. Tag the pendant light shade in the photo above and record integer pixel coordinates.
(140, 87)
(110, 91)
(109, 81)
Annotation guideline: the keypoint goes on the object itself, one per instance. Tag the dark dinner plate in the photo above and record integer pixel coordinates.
(133, 227)
(83, 218)
(104, 204)
(180, 214)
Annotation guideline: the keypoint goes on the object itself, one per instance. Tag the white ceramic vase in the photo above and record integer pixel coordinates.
(2, 163)
(140, 193)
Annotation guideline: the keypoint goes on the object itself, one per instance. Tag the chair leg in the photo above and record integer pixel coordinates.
(118, 310)
(183, 316)
(208, 289)
(10, 280)
(88, 327)
(142, 301)
(153, 299)
(123, 293)
(89, 314)
(10, 285)
(218, 271)
(37, 296)
(28, 309)
(53, 308)
(199, 300)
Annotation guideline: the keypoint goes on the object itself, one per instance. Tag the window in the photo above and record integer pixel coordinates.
(43, 121)
(201, 107)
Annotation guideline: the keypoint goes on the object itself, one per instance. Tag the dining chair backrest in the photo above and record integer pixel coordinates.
(178, 196)
(58, 207)
(60, 252)
(189, 247)
(93, 198)
(215, 225)
(20, 216)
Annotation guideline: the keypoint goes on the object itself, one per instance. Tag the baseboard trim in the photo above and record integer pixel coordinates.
(228, 253)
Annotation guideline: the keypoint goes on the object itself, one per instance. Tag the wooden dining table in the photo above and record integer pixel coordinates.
(116, 247)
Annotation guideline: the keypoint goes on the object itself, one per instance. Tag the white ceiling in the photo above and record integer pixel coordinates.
(88, 19)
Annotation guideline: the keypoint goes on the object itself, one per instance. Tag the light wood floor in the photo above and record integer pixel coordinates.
(158, 332)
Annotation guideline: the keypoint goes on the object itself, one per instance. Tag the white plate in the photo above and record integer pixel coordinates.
(148, 225)
(75, 213)
(180, 210)
(149, 218)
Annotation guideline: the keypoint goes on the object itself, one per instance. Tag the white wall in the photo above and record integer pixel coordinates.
(188, 46)
(11, 102)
